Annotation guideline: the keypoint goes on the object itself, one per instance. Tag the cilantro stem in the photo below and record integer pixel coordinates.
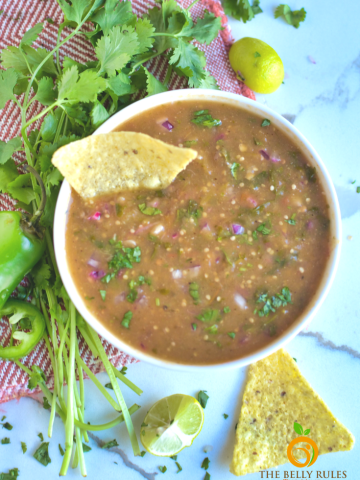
(119, 375)
(82, 389)
(102, 389)
(61, 28)
(191, 5)
(69, 424)
(117, 391)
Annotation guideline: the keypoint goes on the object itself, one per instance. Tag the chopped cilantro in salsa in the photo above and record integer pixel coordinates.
(265, 123)
(209, 315)
(204, 118)
(194, 292)
(126, 319)
(274, 302)
(149, 210)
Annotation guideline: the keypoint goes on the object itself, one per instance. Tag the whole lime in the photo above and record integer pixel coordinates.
(257, 64)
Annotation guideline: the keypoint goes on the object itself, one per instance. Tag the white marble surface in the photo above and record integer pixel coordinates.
(324, 99)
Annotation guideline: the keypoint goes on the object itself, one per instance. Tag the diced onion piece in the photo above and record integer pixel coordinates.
(157, 229)
(129, 243)
(275, 160)
(238, 229)
(97, 274)
(93, 263)
(95, 216)
(265, 154)
(177, 274)
(167, 125)
(240, 300)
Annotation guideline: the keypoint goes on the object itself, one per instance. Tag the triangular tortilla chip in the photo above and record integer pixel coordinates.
(277, 395)
(117, 161)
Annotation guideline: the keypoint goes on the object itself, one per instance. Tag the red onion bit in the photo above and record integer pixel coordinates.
(167, 125)
(238, 229)
(265, 154)
(95, 216)
(275, 160)
(97, 274)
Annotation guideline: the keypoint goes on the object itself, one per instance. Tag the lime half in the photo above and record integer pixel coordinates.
(171, 424)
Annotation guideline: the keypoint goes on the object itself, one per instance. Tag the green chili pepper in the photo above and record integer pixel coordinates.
(22, 244)
(19, 310)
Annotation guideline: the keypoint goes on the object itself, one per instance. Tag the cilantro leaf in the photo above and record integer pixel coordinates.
(205, 463)
(98, 114)
(203, 398)
(190, 61)
(163, 469)
(144, 30)
(205, 30)
(5, 441)
(8, 148)
(113, 13)
(74, 12)
(194, 292)
(291, 17)
(154, 86)
(40, 435)
(41, 274)
(112, 443)
(208, 81)
(121, 84)
(7, 426)
(234, 168)
(11, 475)
(125, 322)
(8, 79)
(42, 454)
(20, 189)
(31, 35)
(46, 93)
(37, 376)
(116, 49)
(204, 118)
(23, 447)
(80, 88)
(178, 466)
(209, 315)
(241, 9)
(149, 210)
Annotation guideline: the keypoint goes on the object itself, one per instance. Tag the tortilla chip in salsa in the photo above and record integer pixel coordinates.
(276, 396)
(118, 161)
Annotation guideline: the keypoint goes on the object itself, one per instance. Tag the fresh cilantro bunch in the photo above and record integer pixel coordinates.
(77, 98)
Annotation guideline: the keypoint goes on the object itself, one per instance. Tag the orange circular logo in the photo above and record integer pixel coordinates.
(310, 458)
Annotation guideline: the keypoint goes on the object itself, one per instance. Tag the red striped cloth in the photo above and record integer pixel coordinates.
(17, 17)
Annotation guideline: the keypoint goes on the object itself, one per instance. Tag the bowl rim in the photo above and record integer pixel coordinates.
(314, 305)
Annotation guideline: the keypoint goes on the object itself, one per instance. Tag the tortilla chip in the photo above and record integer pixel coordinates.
(118, 161)
(277, 395)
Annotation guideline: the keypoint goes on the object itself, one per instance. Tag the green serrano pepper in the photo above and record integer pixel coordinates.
(22, 310)
(22, 244)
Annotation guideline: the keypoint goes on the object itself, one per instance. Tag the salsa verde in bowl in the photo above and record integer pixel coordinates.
(225, 265)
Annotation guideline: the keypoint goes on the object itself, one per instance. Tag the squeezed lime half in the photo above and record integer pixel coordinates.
(172, 424)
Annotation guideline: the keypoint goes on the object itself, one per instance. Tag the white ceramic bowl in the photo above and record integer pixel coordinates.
(298, 139)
